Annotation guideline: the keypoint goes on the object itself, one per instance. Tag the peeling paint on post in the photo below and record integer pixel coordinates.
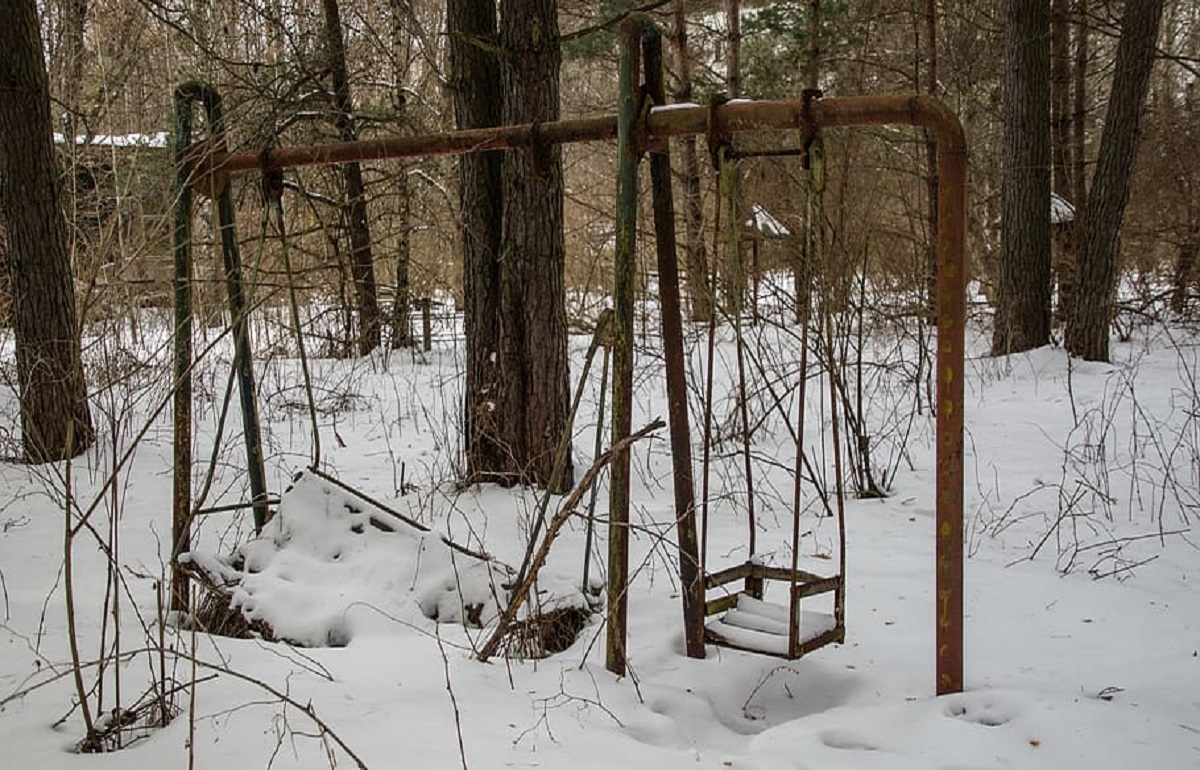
(951, 310)
(622, 382)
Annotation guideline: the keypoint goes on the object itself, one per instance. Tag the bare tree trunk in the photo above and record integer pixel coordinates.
(534, 379)
(1060, 119)
(402, 336)
(402, 332)
(1079, 116)
(696, 264)
(55, 421)
(1096, 275)
(362, 264)
(475, 82)
(1185, 268)
(67, 77)
(5, 284)
(1185, 273)
(67, 63)
(1023, 301)
(735, 275)
(733, 49)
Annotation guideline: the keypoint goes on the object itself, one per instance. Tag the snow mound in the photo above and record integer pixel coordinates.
(328, 561)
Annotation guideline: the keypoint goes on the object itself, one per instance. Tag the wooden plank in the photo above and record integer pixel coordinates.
(720, 604)
(782, 573)
(755, 626)
(775, 612)
(825, 585)
(763, 571)
(754, 622)
(727, 575)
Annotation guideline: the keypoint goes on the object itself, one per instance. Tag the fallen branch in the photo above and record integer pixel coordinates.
(564, 512)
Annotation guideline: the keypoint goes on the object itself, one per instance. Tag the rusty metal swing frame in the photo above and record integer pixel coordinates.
(206, 166)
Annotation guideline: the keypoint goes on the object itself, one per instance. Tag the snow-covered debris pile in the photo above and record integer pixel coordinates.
(762, 221)
(328, 560)
(1061, 210)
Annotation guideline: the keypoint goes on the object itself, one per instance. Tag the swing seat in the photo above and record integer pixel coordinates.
(744, 621)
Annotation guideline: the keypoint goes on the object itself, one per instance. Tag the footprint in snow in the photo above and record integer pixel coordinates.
(847, 740)
(987, 711)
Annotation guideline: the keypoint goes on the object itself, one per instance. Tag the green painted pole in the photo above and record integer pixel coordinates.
(629, 102)
(238, 312)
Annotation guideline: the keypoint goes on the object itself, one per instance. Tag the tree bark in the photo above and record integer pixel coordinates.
(1185, 273)
(733, 49)
(534, 379)
(1023, 301)
(402, 336)
(55, 420)
(5, 285)
(67, 61)
(1087, 334)
(475, 82)
(1185, 268)
(66, 80)
(1060, 97)
(734, 293)
(1063, 261)
(1079, 115)
(362, 265)
(696, 257)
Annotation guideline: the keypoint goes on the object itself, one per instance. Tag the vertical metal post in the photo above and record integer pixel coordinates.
(181, 511)
(218, 186)
(951, 310)
(239, 319)
(690, 577)
(426, 324)
(629, 103)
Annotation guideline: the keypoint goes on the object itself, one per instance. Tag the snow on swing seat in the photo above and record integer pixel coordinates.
(758, 626)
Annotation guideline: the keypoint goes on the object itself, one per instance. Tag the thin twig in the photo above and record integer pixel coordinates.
(462, 752)
(564, 513)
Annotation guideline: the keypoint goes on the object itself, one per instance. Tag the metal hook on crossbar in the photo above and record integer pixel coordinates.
(713, 136)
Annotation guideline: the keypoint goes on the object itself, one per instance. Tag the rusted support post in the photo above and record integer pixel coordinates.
(629, 104)
(181, 508)
(691, 581)
(951, 313)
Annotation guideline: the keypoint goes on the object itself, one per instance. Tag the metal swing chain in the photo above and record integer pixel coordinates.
(597, 449)
(729, 188)
(816, 219)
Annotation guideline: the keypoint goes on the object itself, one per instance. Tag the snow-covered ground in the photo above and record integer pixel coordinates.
(1082, 639)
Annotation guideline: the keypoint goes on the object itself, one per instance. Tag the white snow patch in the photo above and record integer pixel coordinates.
(321, 564)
